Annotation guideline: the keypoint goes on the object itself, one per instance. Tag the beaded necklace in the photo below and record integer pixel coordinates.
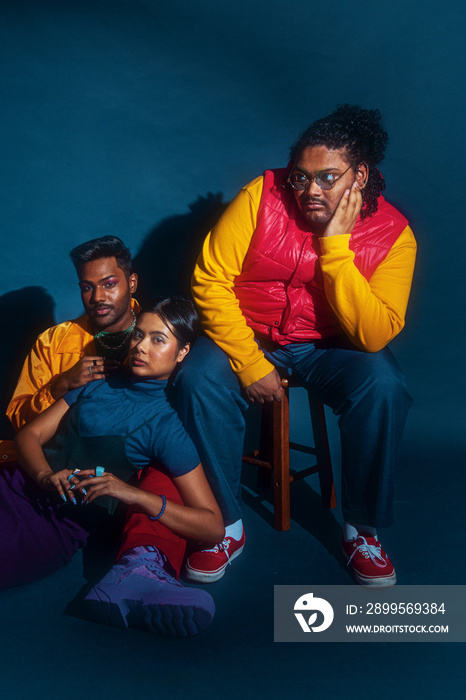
(98, 337)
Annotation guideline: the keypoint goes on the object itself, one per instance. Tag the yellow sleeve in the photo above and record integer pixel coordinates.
(220, 261)
(43, 363)
(371, 313)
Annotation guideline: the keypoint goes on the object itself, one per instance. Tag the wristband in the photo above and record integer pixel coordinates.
(162, 511)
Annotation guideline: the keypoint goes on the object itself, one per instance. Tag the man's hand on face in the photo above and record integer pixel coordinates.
(88, 369)
(346, 213)
(269, 388)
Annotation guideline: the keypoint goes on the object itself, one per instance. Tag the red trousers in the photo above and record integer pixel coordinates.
(140, 530)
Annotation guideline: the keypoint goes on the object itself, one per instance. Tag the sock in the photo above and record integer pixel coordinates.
(235, 530)
(352, 530)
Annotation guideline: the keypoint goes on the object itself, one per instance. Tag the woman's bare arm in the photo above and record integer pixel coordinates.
(198, 519)
(28, 444)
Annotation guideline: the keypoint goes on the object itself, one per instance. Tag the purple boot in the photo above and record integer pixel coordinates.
(139, 592)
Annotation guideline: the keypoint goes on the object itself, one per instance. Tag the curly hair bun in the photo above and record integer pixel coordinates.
(363, 129)
(360, 132)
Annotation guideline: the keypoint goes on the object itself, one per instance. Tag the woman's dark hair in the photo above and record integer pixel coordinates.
(360, 132)
(180, 314)
(105, 247)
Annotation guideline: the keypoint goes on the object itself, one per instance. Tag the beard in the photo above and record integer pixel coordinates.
(316, 217)
(110, 314)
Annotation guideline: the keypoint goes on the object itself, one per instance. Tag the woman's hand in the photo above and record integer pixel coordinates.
(84, 483)
(92, 487)
(59, 482)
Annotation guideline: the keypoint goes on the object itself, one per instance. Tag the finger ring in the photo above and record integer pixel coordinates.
(99, 471)
(90, 369)
(94, 362)
(70, 477)
(76, 471)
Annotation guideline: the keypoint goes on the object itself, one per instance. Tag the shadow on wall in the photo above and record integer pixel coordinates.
(25, 313)
(167, 256)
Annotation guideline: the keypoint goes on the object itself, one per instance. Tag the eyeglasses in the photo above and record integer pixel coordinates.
(300, 182)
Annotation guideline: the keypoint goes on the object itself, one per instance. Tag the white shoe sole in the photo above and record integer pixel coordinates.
(382, 582)
(197, 576)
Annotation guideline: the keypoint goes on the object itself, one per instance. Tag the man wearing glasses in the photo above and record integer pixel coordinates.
(309, 270)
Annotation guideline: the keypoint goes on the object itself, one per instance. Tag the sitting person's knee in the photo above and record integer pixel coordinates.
(388, 382)
(206, 364)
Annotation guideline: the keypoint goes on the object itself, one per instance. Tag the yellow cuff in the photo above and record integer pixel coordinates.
(255, 371)
(335, 244)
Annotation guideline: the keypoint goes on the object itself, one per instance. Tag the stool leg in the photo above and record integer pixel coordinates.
(281, 462)
(265, 454)
(319, 428)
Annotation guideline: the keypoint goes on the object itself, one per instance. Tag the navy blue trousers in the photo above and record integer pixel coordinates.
(368, 393)
(366, 390)
(207, 396)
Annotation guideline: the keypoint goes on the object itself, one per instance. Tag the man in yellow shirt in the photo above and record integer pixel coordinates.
(309, 270)
(73, 353)
(76, 352)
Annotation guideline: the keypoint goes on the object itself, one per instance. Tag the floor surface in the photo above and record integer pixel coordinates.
(46, 652)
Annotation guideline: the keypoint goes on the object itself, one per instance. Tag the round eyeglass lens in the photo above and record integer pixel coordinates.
(298, 181)
(326, 181)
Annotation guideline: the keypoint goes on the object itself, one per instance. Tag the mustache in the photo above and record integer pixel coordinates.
(313, 200)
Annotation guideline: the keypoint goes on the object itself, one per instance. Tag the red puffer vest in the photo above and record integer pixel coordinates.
(281, 288)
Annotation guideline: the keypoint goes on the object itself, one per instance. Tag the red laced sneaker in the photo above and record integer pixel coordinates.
(208, 565)
(371, 565)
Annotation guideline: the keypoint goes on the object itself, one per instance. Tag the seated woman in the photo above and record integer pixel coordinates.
(83, 450)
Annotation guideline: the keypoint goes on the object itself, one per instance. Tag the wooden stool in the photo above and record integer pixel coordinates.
(274, 454)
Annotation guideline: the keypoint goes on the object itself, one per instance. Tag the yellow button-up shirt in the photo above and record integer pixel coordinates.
(55, 351)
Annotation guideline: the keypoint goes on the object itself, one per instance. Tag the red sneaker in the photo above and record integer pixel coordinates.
(371, 565)
(208, 565)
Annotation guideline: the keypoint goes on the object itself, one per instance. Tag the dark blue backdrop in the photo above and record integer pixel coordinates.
(121, 116)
